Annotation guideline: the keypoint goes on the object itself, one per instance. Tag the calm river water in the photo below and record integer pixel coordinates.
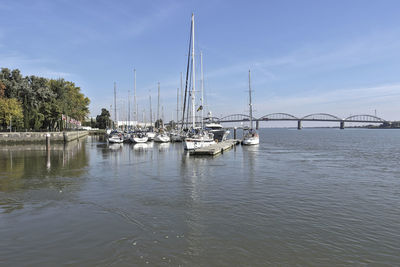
(315, 197)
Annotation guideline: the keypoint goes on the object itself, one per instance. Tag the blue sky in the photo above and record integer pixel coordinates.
(339, 57)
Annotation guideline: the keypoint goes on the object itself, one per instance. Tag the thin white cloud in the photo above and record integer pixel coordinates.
(145, 23)
(130, 22)
(318, 57)
(31, 66)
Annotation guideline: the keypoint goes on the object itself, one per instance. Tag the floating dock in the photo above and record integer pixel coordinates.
(216, 149)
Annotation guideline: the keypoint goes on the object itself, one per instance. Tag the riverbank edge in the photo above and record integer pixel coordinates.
(40, 137)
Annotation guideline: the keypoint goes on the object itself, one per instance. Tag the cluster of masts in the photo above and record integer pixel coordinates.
(186, 131)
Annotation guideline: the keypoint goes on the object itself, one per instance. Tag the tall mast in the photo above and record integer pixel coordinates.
(202, 88)
(151, 112)
(129, 109)
(134, 97)
(193, 78)
(177, 104)
(123, 112)
(158, 102)
(181, 95)
(109, 120)
(250, 104)
(115, 103)
(185, 98)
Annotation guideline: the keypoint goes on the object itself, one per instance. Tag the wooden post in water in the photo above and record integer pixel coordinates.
(234, 132)
(47, 141)
(48, 161)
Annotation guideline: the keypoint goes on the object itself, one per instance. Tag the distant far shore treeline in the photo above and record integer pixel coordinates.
(34, 103)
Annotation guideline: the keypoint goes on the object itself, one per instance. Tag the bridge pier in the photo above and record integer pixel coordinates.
(299, 125)
(341, 125)
(257, 125)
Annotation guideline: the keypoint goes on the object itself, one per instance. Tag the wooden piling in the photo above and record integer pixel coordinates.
(47, 141)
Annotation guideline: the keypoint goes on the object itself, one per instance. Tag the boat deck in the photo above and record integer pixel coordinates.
(215, 149)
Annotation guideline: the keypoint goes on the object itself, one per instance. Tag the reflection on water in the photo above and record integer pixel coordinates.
(20, 164)
(163, 146)
(250, 156)
(140, 147)
(143, 147)
(310, 197)
(32, 175)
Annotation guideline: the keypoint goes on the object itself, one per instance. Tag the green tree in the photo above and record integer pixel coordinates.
(2, 89)
(51, 112)
(159, 124)
(69, 98)
(93, 123)
(10, 112)
(43, 100)
(103, 120)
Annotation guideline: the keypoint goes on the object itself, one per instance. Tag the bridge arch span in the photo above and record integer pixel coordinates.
(321, 117)
(236, 117)
(211, 119)
(364, 117)
(279, 116)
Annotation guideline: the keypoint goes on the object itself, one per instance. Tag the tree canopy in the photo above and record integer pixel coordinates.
(42, 100)
(103, 120)
(10, 112)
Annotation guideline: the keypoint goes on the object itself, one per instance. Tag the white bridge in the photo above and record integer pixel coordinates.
(317, 117)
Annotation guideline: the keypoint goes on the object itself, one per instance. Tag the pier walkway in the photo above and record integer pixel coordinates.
(40, 137)
(216, 148)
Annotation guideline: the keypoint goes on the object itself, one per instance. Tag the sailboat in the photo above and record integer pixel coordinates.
(139, 137)
(250, 136)
(115, 136)
(150, 131)
(175, 134)
(197, 137)
(162, 137)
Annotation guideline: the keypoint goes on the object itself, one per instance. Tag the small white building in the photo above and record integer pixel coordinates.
(133, 124)
(125, 124)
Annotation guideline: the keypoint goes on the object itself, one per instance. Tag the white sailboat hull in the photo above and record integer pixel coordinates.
(115, 139)
(139, 139)
(248, 141)
(162, 138)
